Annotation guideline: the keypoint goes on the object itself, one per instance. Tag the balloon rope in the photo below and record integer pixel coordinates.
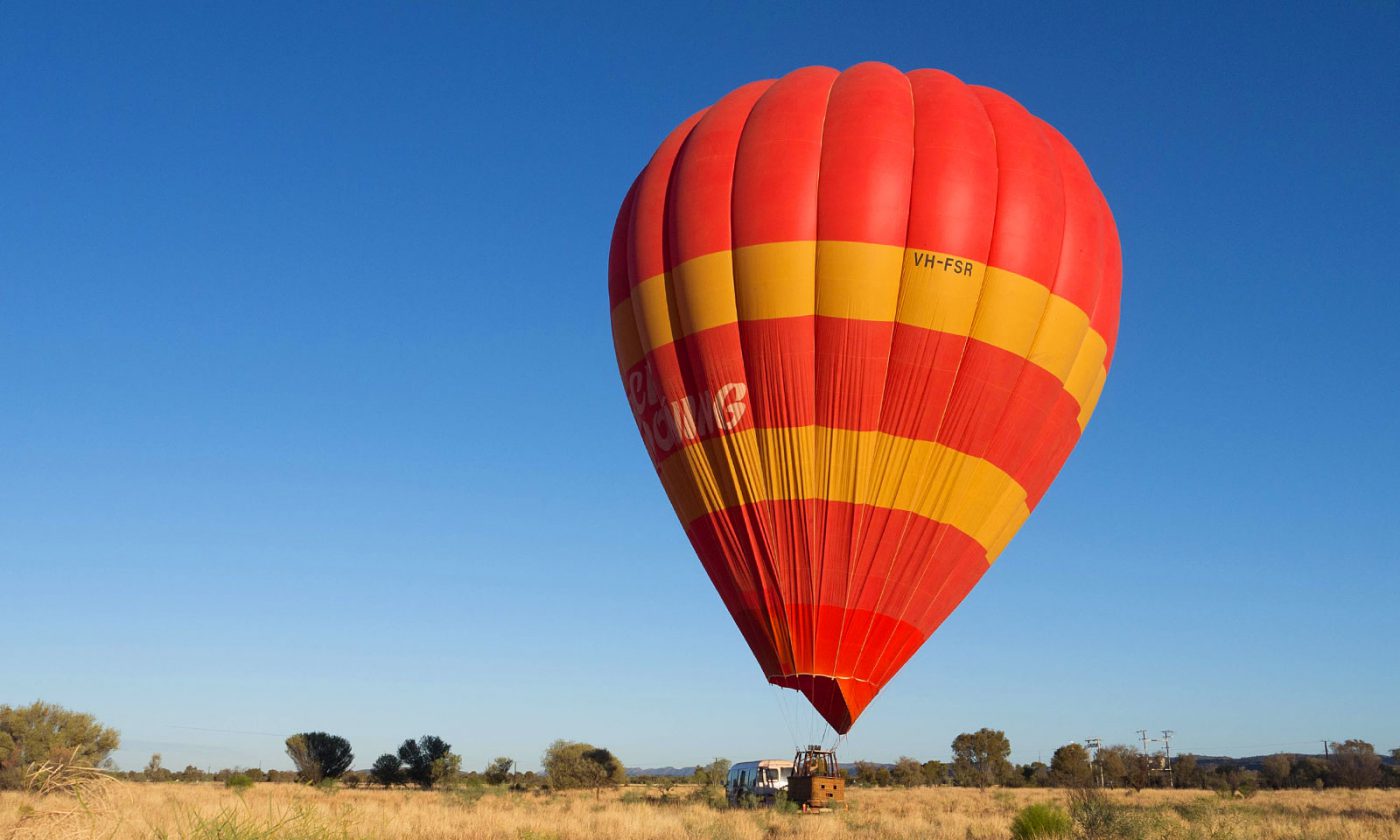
(788, 722)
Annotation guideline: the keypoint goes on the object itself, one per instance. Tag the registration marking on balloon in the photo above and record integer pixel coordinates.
(862, 318)
(946, 262)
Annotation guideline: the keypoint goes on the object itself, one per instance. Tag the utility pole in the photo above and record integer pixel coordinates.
(1146, 760)
(1094, 744)
(1167, 741)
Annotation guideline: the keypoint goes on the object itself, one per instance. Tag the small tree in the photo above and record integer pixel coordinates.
(1233, 778)
(154, 772)
(1186, 772)
(387, 770)
(714, 773)
(1354, 764)
(1036, 774)
(299, 751)
(1069, 766)
(318, 755)
(498, 772)
(571, 764)
(423, 757)
(1308, 772)
(935, 773)
(981, 758)
(907, 772)
(43, 732)
(1275, 769)
(1113, 764)
(446, 770)
(1139, 769)
(870, 774)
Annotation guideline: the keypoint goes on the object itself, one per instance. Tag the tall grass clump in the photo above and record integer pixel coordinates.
(711, 796)
(238, 782)
(1041, 821)
(783, 805)
(65, 800)
(464, 796)
(236, 824)
(1099, 818)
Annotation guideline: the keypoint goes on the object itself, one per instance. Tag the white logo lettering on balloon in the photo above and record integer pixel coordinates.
(667, 425)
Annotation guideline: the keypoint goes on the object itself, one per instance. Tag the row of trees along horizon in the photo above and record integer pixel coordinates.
(43, 733)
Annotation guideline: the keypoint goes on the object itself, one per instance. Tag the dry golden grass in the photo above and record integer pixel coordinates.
(287, 812)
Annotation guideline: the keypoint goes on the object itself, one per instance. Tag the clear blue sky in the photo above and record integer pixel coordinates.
(311, 418)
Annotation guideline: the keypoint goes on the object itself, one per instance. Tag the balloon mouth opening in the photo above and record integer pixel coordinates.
(839, 700)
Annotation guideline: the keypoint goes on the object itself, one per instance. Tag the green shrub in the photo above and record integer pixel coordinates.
(712, 796)
(464, 795)
(1197, 810)
(238, 782)
(1041, 821)
(1097, 816)
(783, 805)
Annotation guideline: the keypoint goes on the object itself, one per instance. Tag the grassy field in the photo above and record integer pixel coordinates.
(125, 811)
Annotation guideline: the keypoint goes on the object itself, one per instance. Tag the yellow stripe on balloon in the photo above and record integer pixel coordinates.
(940, 483)
(626, 341)
(1009, 312)
(653, 307)
(858, 280)
(1087, 407)
(776, 280)
(1087, 375)
(872, 282)
(704, 291)
(1060, 341)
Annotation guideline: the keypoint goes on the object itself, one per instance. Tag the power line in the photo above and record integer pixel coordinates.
(225, 731)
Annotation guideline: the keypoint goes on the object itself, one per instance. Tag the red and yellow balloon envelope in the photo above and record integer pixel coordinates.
(861, 318)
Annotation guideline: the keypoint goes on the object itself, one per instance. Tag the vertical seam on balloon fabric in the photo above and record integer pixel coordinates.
(941, 534)
(761, 513)
(739, 569)
(880, 464)
(1025, 362)
(816, 557)
(726, 460)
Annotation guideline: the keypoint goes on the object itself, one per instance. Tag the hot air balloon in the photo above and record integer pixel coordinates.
(861, 319)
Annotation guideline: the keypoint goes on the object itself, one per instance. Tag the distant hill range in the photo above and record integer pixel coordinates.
(1250, 762)
(660, 771)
